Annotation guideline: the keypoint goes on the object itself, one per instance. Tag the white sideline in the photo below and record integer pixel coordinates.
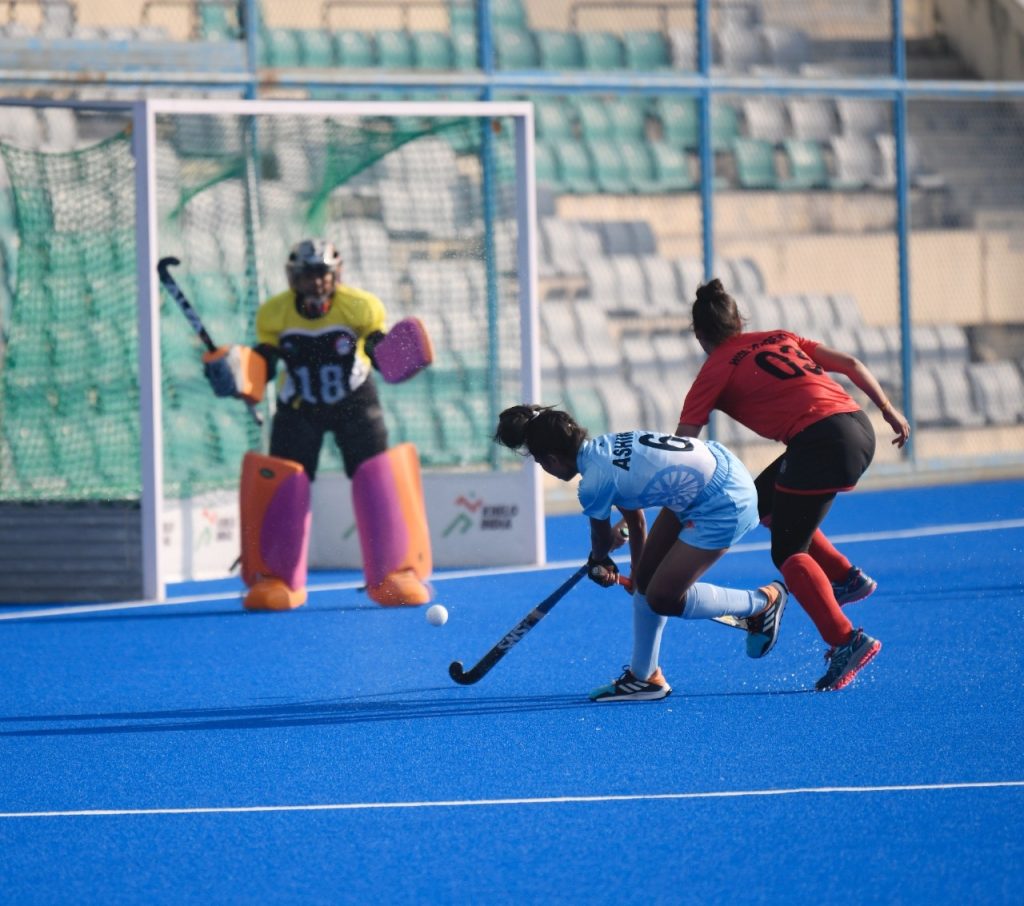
(922, 532)
(543, 800)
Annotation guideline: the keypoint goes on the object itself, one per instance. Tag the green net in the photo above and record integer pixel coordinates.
(422, 209)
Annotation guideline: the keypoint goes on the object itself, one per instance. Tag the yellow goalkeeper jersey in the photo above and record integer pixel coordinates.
(323, 357)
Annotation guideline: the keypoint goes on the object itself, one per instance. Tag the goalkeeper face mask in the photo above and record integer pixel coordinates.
(314, 289)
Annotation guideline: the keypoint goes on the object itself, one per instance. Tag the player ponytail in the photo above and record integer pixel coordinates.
(715, 314)
(538, 430)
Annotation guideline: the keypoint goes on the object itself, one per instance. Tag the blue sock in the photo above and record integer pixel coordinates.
(704, 601)
(647, 629)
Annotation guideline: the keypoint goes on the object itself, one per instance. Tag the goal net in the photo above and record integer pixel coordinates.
(103, 400)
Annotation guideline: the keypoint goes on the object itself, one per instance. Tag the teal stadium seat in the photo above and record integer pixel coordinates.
(646, 51)
(725, 126)
(755, 164)
(316, 48)
(807, 166)
(628, 119)
(546, 165)
(354, 49)
(281, 48)
(595, 124)
(602, 51)
(575, 168)
(557, 50)
(680, 121)
(671, 169)
(395, 50)
(215, 24)
(640, 171)
(464, 50)
(554, 119)
(432, 50)
(514, 49)
(609, 168)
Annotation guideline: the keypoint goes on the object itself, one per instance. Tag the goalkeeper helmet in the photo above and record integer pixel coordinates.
(314, 271)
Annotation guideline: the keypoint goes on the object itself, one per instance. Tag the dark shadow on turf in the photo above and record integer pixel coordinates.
(331, 713)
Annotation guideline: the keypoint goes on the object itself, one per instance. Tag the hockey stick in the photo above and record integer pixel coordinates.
(514, 635)
(171, 285)
(733, 622)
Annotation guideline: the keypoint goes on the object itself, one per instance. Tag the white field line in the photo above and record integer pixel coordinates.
(545, 800)
(960, 528)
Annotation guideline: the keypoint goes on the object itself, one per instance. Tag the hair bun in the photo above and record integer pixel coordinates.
(711, 290)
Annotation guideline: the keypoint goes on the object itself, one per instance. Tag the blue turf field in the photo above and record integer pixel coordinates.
(193, 753)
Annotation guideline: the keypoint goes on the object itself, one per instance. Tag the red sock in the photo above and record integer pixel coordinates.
(833, 564)
(810, 585)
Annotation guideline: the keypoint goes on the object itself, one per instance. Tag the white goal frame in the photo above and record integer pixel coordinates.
(144, 114)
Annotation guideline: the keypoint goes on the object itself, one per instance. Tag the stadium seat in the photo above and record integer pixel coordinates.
(554, 119)
(680, 122)
(514, 48)
(812, 119)
(640, 170)
(281, 48)
(737, 49)
(546, 165)
(432, 50)
(646, 51)
(316, 48)
(998, 390)
(610, 171)
(558, 50)
(394, 49)
(602, 51)
(683, 49)
(587, 407)
(863, 116)
(855, 160)
(806, 163)
(671, 169)
(354, 49)
(725, 126)
(755, 164)
(464, 50)
(662, 283)
(628, 119)
(595, 122)
(575, 168)
(785, 47)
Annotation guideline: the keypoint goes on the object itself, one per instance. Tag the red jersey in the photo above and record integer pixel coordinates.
(768, 382)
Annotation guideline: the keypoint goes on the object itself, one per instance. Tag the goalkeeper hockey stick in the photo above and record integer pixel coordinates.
(178, 295)
(514, 635)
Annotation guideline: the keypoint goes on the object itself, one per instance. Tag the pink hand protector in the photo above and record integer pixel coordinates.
(405, 351)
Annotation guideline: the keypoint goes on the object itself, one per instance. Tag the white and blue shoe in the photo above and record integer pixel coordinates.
(630, 688)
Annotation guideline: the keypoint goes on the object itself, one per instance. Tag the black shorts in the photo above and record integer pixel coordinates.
(357, 423)
(829, 456)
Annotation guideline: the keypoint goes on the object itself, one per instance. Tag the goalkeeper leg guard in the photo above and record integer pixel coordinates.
(276, 519)
(387, 496)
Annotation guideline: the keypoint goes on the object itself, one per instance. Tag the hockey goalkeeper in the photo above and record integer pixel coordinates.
(328, 336)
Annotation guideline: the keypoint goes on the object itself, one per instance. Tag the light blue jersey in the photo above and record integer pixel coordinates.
(704, 484)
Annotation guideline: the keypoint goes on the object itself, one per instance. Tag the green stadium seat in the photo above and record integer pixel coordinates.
(281, 48)
(628, 119)
(545, 165)
(316, 48)
(514, 49)
(646, 51)
(671, 169)
(575, 168)
(807, 166)
(595, 124)
(432, 50)
(609, 168)
(602, 51)
(508, 13)
(558, 50)
(640, 170)
(755, 164)
(395, 50)
(462, 15)
(553, 119)
(680, 121)
(215, 24)
(354, 49)
(464, 50)
(725, 126)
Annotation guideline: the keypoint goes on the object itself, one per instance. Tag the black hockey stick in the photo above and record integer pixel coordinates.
(514, 635)
(171, 285)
